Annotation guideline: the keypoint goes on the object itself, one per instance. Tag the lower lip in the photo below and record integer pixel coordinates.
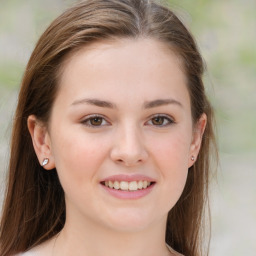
(121, 194)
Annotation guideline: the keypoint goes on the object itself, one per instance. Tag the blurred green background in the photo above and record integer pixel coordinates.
(226, 35)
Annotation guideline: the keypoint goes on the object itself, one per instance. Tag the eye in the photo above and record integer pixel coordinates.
(160, 120)
(95, 121)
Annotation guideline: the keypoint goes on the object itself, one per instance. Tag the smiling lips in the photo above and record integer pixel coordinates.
(127, 186)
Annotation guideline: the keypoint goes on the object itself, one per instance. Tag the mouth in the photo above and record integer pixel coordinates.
(130, 186)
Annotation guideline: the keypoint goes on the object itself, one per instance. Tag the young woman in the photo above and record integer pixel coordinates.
(111, 142)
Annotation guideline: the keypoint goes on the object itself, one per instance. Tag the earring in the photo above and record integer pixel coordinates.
(192, 158)
(45, 161)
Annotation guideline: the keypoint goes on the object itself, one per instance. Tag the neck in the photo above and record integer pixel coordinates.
(87, 238)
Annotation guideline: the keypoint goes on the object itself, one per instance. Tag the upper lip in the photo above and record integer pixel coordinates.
(125, 177)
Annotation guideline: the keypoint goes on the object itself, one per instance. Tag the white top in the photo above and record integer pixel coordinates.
(172, 251)
(34, 254)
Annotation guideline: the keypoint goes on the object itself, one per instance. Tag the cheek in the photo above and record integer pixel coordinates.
(173, 148)
(77, 157)
(170, 155)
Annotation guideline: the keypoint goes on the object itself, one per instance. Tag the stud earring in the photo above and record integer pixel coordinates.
(192, 158)
(45, 161)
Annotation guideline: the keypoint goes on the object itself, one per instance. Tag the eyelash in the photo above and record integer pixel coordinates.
(89, 119)
(167, 120)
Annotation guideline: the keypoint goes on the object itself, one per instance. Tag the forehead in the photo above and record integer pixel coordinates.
(106, 52)
(130, 66)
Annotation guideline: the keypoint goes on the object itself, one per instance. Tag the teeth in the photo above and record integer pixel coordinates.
(111, 184)
(140, 184)
(125, 185)
(116, 185)
(133, 186)
(145, 184)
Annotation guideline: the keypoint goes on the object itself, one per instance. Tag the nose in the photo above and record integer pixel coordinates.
(129, 147)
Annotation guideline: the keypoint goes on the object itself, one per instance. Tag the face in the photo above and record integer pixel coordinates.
(121, 134)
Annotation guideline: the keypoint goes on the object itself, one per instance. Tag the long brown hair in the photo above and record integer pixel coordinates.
(34, 206)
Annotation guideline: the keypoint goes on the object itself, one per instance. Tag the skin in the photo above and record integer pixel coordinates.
(134, 133)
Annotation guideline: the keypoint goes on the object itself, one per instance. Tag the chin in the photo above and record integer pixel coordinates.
(130, 220)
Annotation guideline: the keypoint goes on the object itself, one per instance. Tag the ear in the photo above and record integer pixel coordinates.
(198, 132)
(41, 141)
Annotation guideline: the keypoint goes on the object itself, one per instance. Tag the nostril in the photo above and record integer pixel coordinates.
(129, 162)
(128, 153)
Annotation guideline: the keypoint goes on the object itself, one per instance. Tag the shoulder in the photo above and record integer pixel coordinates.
(29, 253)
(43, 249)
(25, 254)
(173, 252)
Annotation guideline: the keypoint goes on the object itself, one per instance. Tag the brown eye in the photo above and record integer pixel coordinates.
(158, 120)
(96, 121)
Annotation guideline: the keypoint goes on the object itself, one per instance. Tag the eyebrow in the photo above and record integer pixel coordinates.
(161, 102)
(146, 105)
(95, 102)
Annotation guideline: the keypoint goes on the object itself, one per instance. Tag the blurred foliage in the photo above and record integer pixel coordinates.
(226, 35)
